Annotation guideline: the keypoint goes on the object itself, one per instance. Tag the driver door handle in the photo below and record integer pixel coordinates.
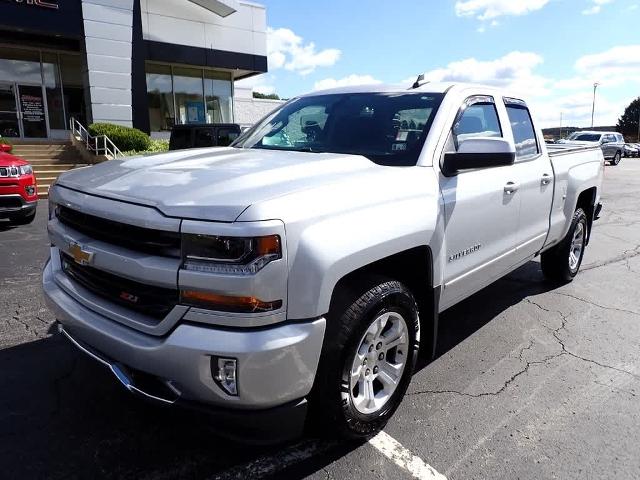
(546, 179)
(511, 187)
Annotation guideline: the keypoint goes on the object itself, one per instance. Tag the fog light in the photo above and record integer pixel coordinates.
(30, 189)
(224, 373)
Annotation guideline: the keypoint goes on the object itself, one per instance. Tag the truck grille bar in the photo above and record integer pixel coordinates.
(146, 240)
(153, 301)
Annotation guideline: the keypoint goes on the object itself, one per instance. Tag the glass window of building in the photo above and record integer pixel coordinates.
(51, 75)
(183, 95)
(21, 66)
(160, 97)
(218, 96)
(187, 87)
(72, 74)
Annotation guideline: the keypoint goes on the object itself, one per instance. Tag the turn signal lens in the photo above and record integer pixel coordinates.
(227, 303)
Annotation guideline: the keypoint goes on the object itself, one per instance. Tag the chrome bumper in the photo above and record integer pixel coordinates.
(276, 364)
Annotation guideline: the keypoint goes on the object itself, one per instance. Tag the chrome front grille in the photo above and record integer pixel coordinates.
(146, 240)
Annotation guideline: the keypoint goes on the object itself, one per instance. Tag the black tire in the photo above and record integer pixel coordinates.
(332, 410)
(555, 262)
(26, 220)
(616, 159)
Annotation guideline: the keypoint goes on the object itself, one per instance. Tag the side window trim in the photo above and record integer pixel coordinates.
(469, 102)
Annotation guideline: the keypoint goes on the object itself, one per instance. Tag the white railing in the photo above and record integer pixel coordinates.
(99, 145)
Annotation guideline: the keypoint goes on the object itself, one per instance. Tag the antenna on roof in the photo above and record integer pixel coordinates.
(419, 81)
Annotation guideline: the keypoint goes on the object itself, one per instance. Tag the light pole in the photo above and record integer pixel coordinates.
(638, 127)
(560, 135)
(593, 105)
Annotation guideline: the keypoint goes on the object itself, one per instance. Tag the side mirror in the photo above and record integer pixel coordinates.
(5, 148)
(479, 153)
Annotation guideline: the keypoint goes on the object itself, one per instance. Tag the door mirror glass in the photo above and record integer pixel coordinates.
(479, 153)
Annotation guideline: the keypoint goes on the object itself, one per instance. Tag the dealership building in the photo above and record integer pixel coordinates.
(149, 64)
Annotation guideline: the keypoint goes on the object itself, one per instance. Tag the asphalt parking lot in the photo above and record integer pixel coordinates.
(531, 381)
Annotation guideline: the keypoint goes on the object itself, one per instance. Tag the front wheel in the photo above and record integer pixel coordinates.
(370, 351)
(616, 159)
(562, 262)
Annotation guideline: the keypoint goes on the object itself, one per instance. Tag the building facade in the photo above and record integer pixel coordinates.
(149, 64)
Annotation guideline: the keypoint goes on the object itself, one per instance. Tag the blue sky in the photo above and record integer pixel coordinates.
(550, 50)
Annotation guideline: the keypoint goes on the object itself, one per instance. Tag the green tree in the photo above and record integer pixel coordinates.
(628, 122)
(270, 96)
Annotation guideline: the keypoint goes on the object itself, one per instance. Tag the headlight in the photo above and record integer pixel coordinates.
(26, 170)
(229, 255)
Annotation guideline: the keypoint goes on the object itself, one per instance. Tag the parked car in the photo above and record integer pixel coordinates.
(18, 189)
(630, 150)
(612, 143)
(297, 274)
(203, 135)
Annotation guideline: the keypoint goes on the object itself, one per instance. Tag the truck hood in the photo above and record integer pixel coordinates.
(212, 183)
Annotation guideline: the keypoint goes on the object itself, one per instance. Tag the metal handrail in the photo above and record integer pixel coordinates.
(99, 145)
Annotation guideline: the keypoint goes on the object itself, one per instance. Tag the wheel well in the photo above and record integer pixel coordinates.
(411, 267)
(587, 202)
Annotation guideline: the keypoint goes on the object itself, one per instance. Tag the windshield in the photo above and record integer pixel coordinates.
(585, 137)
(387, 128)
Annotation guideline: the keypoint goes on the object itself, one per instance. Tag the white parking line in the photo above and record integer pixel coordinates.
(268, 465)
(394, 451)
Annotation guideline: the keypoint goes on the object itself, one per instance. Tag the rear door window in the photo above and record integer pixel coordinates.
(180, 138)
(524, 134)
(204, 137)
(226, 136)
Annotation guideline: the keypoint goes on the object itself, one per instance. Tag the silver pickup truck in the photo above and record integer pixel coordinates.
(294, 277)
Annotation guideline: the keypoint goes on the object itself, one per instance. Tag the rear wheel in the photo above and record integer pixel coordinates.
(616, 159)
(369, 355)
(562, 262)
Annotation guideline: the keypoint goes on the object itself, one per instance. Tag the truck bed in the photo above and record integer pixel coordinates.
(556, 149)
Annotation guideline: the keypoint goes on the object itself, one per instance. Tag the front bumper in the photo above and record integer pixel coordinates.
(14, 206)
(276, 364)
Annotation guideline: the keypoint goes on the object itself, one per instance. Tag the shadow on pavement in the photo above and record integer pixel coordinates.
(64, 416)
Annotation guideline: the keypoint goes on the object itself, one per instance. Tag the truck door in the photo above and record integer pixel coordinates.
(536, 181)
(481, 208)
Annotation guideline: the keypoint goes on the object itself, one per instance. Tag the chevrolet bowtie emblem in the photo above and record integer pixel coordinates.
(79, 255)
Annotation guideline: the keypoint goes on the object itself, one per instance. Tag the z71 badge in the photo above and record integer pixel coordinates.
(464, 253)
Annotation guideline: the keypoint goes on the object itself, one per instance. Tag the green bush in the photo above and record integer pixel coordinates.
(156, 146)
(125, 138)
(6, 141)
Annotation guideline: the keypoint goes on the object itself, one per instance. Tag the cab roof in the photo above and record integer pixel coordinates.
(428, 87)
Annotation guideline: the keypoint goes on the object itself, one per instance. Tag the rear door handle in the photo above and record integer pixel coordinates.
(511, 187)
(546, 179)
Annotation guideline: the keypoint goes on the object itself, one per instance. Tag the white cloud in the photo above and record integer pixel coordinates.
(513, 71)
(287, 50)
(347, 81)
(490, 9)
(596, 7)
(573, 96)
(614, 66)
(259, 83)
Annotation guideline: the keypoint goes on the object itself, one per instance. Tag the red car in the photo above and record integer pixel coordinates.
(18, 191)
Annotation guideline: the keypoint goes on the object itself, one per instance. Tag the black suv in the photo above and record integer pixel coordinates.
(203, 135)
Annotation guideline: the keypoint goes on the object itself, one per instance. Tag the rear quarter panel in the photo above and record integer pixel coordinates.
(574, 173)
